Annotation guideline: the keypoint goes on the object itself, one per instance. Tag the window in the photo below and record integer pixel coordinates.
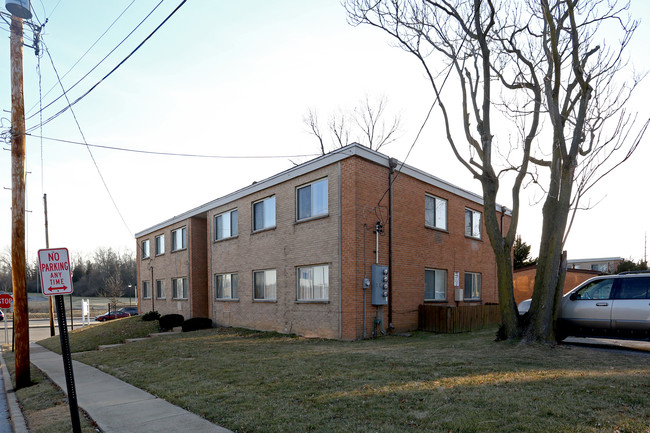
(264, 214)
(264, 285)
(313, 283)
(599, 289)
(146, 290)
(160, 289)
(472, 223)
(179, 288)
(312, 200)
(435, 285)
(145, 249)
(435, 212)
(225, 225)
(227, 286)
(160, 245)
(472, 286)
(179, 239)
(634, 288)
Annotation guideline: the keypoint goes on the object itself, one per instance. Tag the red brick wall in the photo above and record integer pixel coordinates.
(198, 281)
(415, 246)
(524, 281)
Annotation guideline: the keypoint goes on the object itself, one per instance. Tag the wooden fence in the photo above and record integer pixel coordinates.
(451, 320)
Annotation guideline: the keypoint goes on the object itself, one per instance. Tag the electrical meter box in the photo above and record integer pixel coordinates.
(379, 279)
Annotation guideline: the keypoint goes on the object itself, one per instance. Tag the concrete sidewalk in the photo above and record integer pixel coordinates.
(117, 406)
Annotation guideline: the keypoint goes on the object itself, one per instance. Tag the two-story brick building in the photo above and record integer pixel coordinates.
(291, 253)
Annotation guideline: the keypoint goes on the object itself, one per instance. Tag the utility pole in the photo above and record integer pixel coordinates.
(18, 260)
(47, 245)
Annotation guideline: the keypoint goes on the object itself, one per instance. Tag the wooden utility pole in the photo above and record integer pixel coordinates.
(47, 245)
(18, 260)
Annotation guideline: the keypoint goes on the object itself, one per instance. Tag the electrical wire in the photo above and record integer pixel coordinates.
(188, 155)
(88, 147)
(90, 48)
(101, 61)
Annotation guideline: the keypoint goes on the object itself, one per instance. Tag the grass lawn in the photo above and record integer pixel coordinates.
(264, 382)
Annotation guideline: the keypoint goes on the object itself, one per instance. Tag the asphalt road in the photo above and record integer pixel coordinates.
(38, 329)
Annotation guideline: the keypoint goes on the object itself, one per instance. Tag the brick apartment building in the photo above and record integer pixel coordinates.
(290, 253)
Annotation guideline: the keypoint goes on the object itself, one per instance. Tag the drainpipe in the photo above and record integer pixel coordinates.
(153, 295)
(392, 163)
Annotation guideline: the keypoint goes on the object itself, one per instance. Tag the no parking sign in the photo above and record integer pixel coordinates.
(54, 266)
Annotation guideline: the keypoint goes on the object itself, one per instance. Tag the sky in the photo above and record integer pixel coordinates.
(237, 79)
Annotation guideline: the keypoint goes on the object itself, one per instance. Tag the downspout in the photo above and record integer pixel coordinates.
(392, 163)
(152, 288)
(340, 199)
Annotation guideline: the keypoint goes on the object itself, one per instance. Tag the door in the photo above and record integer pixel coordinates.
(589, 307)
(631, 305)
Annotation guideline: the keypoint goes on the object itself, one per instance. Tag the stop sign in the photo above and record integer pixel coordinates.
(5, 300)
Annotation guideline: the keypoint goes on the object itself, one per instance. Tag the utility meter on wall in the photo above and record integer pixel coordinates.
(379, 285)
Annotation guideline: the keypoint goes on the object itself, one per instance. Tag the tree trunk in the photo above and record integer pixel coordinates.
(549, 279)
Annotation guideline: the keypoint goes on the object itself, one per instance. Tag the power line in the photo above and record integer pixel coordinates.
(87, 147)
(188, 155)
(101, 61)
(90, 48)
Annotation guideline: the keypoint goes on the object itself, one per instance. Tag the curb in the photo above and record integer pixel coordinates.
(17, 418)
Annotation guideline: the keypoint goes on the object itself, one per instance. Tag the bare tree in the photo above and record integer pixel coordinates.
(367, 123)
(113, 289)
(514, 62)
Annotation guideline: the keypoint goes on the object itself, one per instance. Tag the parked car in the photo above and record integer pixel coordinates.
(605, 306)
(131, 311)
(2, 316)
(111, 315)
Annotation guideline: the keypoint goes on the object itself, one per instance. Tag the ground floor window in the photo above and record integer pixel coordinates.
(146, 290)
(227, 286)
(313, 283)
(160, 289)
(472, 286)
(264, 285)
(179, 288)
(435, 285)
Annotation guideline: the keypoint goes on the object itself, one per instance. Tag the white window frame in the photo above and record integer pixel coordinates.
(146, 289)
(473, 292)
(160, 245)
(269, 288)
(472, 226)
(432, 217)
(232, 286)
(160, 294)
(307, 288)
(146, 249)
(183, 288)
(183, 238)
(315, 200)
(268, 211)
(229, 216)
(437, 273)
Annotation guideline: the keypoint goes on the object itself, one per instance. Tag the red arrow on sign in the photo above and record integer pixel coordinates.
(5, 301)
(52, 289)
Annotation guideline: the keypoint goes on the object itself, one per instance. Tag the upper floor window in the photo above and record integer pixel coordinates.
(264, 285)
(146, 249)
(225, 225)
(472, 286)
(312, 200)
(160, 245)
(435, 285)
(179, 288)
(264, 214)
(227, 286)
(179, 239)
(313, 283)
(472, 223)
(435, 212)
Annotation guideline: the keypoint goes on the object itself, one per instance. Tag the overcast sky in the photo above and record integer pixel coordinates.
(236, 79)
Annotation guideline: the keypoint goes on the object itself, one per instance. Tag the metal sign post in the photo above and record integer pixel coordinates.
(56, 280)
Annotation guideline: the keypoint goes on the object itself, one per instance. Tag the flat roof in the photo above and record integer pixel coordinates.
(603, 259)
(348, 151)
